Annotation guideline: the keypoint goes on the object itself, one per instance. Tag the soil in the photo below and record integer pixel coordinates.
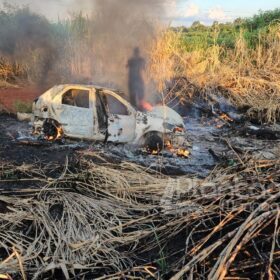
(9, 96)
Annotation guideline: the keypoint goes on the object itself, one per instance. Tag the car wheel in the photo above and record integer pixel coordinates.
(153, 142)
(52, 130)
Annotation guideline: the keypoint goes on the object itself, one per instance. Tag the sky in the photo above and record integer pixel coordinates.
(218, 10)
(179, 12)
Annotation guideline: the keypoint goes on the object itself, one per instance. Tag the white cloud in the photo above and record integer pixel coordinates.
(171, 8)
(217, 13)
(176, 9)
(191, 10)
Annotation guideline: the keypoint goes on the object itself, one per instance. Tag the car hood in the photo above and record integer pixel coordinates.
(167, 114)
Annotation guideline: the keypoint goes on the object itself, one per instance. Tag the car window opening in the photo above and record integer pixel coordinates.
(113, 105)
(77, 98)
(116, 107)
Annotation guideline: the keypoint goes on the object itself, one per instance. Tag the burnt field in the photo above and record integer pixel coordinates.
(211, 140)
(193, 191)
(83, 210)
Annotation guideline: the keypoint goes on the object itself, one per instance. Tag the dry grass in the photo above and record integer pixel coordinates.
(10, 71)
(97, 218)
(249, 77)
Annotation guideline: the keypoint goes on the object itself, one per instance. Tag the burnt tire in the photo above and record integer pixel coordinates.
(153, 142)
(51, 129)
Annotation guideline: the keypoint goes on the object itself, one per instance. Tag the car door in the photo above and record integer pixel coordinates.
(76, 112)
(121, 119)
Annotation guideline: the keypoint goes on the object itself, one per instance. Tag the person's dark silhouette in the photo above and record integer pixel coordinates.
(136, 65)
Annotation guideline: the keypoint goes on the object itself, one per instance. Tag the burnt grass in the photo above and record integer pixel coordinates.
(44, 153)
(13, 152)
(41, 153)
(53, 161)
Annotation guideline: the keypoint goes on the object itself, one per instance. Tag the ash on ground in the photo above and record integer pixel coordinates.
(211, 142)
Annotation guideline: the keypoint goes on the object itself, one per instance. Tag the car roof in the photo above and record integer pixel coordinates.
(52, 92)
(92, 86)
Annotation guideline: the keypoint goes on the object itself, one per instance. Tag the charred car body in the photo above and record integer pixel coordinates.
(101, 114)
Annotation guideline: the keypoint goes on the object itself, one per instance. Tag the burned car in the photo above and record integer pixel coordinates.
(101, 114)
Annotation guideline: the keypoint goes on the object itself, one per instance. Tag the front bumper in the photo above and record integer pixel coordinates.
(37, 125)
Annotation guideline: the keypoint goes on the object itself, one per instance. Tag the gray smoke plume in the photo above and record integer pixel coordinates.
(27, 40)
(117, 43)
(122, 28)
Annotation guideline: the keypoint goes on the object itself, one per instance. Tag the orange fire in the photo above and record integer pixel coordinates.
(179, 152)
(154, 152)
(225, 117)
(147, 106)
(59, 133)
(178, 129)
(225, 120)
(183, 153)
(58, 136)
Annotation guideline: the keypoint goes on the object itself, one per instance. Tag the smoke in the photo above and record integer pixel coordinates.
(27, 42)
(52, 9)
(119, 27)
(112, 30)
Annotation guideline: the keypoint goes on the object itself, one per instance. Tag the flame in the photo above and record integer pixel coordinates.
(183, 153)
(154, 152)
(146, 106)
(59, 135)
(178, 129)
(225, 117)
(225, 120)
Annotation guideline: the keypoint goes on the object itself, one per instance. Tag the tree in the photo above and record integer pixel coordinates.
(198, 26)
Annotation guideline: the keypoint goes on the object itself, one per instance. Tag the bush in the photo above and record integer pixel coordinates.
(23, 106)
(261, 20)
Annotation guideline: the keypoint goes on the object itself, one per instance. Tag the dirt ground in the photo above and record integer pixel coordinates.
(9, 96)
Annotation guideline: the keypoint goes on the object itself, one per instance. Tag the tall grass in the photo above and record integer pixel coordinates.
(33, 50)
(241, 59)
(249, 75)
(79, 45)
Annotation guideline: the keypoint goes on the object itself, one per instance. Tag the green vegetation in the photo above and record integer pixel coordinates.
(35, 50)
(23, 107)
(240, 60)
(225, 34)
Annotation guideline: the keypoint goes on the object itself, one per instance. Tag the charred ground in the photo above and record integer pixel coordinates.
(83, 187)
(212, 141)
